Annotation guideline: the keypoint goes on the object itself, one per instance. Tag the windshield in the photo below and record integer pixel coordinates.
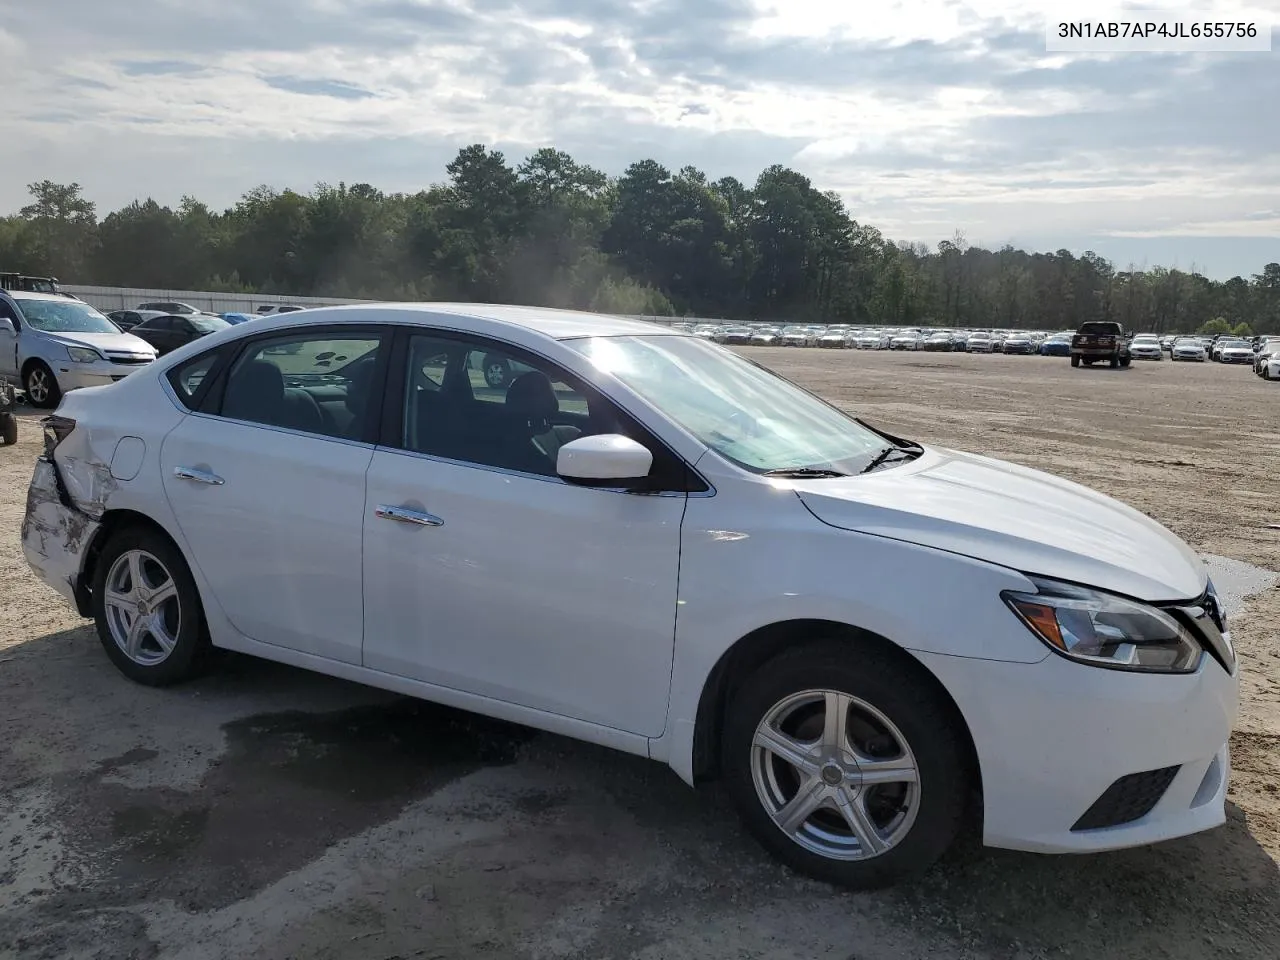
(64, 316)
(208, 324)
(739, 409)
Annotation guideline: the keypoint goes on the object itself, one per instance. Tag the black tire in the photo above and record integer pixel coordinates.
(190, 654)
(38, 377)
(1114, 362)
(927, 723)
(8, 429)
(1075, 360)
(1125, 361)
(497, 371)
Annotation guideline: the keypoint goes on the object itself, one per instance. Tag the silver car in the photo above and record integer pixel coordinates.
(51, 343)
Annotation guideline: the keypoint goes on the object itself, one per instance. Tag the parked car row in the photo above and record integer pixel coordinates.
(849, 337)
(1105, 344)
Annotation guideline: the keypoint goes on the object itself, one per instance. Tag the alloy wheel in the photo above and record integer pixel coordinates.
(835, 775)
(38, 385)
(144, 615)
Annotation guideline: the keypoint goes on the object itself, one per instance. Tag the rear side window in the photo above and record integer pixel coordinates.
(308, 383)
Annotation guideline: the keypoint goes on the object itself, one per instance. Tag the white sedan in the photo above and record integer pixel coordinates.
(1188, 348)
(1146, 348)
(648, 542)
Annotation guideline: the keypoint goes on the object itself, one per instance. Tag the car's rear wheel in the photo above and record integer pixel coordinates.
(41, 386)
(845, 764)
(1075, 360)
(8, 429)
(1125, 361)
(147, 609)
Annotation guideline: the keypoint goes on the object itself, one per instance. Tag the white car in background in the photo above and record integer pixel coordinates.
(51, 344)
(1234, 351)
(836, 337)
(910, 340)
(1189, 348)
(796, 336)
(595, 551)
(1146, 346)
(871, 340)
(979, 343)
(1266, 349)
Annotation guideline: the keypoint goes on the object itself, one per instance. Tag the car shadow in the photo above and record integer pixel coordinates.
(209, 792)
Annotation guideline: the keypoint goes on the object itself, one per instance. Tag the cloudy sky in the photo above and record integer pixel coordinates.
(927, 116)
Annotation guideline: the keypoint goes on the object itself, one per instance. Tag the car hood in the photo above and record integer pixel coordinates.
(115, 342)
(1013, 516)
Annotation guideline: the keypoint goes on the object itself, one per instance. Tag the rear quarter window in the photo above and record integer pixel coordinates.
(187, 379)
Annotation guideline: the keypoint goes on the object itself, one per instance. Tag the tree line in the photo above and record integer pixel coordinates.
(552, 231)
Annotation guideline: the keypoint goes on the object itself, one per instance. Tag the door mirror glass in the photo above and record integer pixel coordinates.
(603, 457)
(6, 325)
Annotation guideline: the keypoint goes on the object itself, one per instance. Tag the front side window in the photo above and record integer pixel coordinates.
(64, 316)
(314, 384)
(744, 412)
(457, 408)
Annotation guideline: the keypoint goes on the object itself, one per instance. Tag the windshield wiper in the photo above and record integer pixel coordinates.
(803, 473)
(883, 456)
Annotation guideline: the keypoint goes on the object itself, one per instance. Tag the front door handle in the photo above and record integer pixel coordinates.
(405, 515)
(199, 476)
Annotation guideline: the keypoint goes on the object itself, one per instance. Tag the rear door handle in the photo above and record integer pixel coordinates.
(199, 476)
(405, 515)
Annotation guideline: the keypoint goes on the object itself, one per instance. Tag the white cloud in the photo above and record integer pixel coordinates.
(926, 115)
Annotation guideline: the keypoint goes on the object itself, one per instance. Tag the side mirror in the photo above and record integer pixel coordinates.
(6, 324)
(608, 459)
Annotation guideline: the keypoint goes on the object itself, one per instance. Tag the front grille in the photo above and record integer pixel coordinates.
(114, 358)
(1129, 798)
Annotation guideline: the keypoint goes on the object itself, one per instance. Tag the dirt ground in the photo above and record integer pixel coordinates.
(271, 813)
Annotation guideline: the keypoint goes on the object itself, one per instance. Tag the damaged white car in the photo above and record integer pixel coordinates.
(649, 542)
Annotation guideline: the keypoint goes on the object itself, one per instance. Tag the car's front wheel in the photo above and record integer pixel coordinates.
(41, 386)
(845, 764)
(147, 609)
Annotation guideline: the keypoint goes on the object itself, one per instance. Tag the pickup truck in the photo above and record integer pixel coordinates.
(1100, 340)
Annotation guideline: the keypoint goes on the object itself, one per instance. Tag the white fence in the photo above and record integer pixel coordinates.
(126, 298)
(107, 299)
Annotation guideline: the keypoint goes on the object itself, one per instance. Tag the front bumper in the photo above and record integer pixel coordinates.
(55, 537)
(1053, 736)
(72, 376)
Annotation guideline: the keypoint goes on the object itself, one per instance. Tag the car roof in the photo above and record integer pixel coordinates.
(549, 322)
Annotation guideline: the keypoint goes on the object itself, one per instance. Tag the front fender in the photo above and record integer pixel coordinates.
(753, 556)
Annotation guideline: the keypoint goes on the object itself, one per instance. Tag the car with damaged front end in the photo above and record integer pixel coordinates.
(649, 542)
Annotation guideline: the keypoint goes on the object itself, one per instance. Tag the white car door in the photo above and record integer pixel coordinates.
(485, 572)
(268, 487)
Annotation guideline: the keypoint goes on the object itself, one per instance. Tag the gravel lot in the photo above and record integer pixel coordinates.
(271, 813)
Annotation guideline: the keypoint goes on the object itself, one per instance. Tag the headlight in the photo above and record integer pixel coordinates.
(1105, 630)
(83, 355)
